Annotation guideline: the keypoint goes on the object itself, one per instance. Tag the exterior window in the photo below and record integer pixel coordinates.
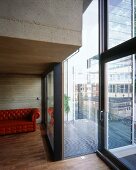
(120, 21)
(81, 92)
(122, 88)
(119, 106)
(113, 88)
(126, 88)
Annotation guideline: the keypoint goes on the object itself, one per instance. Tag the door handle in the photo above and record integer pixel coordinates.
(101, 115)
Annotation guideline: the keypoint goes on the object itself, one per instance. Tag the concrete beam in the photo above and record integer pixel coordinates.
(43, 20)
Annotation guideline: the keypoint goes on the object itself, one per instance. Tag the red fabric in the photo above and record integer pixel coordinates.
(51, 114)
(18, 120)
(51, 111)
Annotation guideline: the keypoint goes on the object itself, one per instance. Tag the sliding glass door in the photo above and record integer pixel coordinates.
(81, 90)
(119, 136)
(119, 131)
(117, 119)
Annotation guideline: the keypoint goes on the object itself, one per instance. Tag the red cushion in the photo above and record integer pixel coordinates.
(15, 114)
(6, 123)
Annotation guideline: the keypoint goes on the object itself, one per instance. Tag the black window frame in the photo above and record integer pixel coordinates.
(106, 55)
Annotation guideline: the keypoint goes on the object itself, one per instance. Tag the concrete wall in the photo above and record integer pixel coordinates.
(20, 91)
(58, 21)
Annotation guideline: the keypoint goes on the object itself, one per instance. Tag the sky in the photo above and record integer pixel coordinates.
(89, 43)
(89, 37)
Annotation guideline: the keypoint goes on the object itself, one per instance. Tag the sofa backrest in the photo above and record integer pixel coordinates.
(16, 114)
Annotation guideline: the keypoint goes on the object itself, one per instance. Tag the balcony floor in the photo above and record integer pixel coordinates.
(80, 138)
(26, 151)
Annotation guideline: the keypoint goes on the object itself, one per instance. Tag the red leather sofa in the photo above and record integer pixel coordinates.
(18, 120)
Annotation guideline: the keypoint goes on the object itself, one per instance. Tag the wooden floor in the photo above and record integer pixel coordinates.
(25, 151)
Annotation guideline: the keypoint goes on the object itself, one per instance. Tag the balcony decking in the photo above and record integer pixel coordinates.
(80, 137)
(26, 151)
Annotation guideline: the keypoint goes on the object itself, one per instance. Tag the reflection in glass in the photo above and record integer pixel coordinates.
(50, 108)
(120, 21)
(119, 105)
(120, 81)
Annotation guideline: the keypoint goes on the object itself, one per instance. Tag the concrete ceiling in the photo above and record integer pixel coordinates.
(86, 3)
(20, 56)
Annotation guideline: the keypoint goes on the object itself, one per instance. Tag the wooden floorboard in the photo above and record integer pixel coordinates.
(26, 151)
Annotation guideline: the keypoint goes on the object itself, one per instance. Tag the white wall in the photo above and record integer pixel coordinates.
(20, 91)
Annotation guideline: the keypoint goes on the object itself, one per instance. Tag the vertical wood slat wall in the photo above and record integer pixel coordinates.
(20, 91)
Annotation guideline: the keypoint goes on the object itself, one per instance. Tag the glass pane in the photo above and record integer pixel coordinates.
(120, 21)
(50, 108)
(81, 90)
(120, 105)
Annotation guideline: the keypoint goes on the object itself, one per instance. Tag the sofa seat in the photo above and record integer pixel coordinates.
(16, 121)
(11, 127)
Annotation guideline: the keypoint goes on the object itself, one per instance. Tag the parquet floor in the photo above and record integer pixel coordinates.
(26, 152)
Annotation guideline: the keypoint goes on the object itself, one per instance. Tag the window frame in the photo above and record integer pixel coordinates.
(106, 55)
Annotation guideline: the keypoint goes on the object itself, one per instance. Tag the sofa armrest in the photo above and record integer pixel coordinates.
(35, 114)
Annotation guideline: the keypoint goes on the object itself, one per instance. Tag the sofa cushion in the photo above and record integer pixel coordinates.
(18, 114)
(7, 123)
